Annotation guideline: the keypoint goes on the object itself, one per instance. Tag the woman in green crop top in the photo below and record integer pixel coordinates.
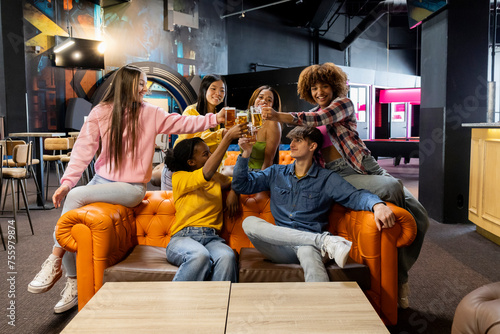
(269, 135)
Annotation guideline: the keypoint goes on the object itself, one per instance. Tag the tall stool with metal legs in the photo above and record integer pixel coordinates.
(22, 155)
(57, 145)
(2, 150)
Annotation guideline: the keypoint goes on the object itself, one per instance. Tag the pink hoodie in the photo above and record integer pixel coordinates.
(152, 121)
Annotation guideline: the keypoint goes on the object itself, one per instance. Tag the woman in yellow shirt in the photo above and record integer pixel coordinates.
(212, 93)
(195, 246)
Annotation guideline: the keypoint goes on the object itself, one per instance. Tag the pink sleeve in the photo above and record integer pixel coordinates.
(83, 151)
(176, 124)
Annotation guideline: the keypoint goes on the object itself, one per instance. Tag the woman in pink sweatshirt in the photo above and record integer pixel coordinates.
(126, 126)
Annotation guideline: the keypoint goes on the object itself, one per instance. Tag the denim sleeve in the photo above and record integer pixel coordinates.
(245, 182)
(347, 195)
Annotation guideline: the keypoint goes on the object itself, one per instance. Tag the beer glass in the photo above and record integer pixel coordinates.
(252, 134)
(256, 113)
(242, 118)
(230, 117)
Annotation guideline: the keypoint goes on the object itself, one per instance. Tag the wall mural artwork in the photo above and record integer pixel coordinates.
(133, 32)
(50, 87)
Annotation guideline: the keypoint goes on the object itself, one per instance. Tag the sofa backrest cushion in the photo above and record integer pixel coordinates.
(154, 218)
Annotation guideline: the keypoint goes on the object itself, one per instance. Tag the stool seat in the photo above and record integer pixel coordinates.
(13, 173)
(479, 311)
(51, 157)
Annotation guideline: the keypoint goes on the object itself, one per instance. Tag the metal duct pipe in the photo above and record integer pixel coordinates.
(382, 8)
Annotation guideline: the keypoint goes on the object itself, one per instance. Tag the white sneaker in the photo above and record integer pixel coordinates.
(69, 297)
(404, 295)
(336, 247)
(47, 277)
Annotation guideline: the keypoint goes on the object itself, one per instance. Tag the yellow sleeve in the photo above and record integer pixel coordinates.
(184, 182)
(211, 138)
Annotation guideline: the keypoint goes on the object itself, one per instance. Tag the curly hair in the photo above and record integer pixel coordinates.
(327, 73)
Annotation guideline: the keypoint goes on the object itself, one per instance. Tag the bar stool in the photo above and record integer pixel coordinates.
(2, 150)
(9, 145)
(22, 155)
(54, 144)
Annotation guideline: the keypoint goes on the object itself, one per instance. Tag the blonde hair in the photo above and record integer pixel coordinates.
(122, 94)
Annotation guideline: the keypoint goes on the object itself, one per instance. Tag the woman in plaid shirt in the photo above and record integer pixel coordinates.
(345, 153)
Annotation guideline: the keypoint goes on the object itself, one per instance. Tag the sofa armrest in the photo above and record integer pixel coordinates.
(101, 234)
(378, 250)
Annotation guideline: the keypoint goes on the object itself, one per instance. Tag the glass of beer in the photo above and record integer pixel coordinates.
(256, 117)
(230, 117)
(242, 117)
(252, 134)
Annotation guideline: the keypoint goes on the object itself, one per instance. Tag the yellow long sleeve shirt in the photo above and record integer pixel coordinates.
(198, 202)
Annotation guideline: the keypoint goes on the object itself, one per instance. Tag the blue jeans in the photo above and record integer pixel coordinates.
(287, 245)
(98, 189)
(201, 255)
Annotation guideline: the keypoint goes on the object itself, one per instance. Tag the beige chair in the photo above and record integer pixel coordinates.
(9, 145)
(22, 156)
(2, 150)
(57, 146)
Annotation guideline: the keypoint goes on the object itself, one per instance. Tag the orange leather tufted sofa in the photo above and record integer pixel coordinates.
(105, 234)
(284, 158)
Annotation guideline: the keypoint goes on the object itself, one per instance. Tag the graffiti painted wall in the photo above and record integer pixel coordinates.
(133, 32)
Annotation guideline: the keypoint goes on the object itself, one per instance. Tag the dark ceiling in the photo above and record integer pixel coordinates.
(309, 13)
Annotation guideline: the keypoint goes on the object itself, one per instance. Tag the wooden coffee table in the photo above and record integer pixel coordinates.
(333, 307)
(154, 307)
(222, 307)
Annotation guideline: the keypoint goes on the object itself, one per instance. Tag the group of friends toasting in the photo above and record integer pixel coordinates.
(332, 165)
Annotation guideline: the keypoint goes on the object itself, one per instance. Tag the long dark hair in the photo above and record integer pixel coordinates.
(122, 93)
(202, 104)
(177, 158)
(276, 97)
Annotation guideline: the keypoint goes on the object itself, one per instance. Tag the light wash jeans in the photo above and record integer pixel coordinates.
(99, 189)
(389, 189)
(201, 255)
(287, 245)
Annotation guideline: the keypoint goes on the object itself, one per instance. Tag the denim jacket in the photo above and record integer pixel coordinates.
(304, 203)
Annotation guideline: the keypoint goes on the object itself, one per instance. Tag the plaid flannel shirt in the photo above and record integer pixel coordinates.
(340, 120)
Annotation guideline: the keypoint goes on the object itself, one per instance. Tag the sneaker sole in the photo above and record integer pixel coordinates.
(342, 259)
(67, 306)
(45, 288)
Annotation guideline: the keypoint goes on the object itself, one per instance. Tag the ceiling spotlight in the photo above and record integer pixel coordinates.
(242, 15)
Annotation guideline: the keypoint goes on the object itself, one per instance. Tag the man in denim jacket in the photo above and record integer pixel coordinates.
(302, 194)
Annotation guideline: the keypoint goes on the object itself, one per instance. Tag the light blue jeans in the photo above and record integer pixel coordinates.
(99, 189)
(287, 245)
(389, 189)
(201, 255)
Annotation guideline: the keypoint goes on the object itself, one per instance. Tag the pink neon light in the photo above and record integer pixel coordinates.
(411, 95)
